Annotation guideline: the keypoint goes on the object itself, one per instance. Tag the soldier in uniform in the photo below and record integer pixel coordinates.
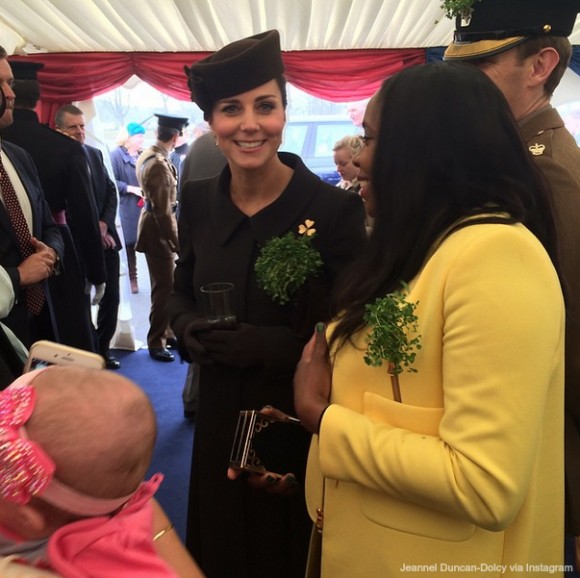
(157, 230)
(522, 46)
(65, 181)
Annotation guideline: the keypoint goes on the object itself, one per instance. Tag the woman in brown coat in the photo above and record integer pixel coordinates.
(224, 222)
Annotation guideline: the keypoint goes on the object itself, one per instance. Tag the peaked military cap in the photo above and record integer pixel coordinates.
(169, 121)
(236, 68)
(24, 70)
(498, 25)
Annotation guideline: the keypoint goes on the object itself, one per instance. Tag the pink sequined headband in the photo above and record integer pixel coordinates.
(25, 468)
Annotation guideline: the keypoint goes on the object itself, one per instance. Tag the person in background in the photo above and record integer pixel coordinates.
(32, 245)
(64, 177)
(356, 111)
(224, 223)
(203, 160)
(522, 46)
(344, 151)
(157, 231)
(178, 154)
(70, 120)
(123, 160)
(72, 494)
(13, 354)
(463, 462)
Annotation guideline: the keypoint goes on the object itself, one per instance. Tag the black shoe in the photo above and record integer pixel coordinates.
(171, 343)
(161, 354)
(111, 362)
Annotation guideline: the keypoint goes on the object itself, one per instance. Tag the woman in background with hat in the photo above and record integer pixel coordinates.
(235, 529)
(123, 160)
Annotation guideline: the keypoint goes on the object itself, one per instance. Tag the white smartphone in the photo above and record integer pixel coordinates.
(44, 353)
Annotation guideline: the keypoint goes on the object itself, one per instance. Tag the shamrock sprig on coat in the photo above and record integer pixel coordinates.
(286, 262)
(393, 335)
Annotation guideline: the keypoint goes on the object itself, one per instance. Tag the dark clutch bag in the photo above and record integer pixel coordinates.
(263, 443)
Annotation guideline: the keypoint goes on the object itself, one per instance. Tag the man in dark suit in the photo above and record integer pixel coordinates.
(64, 176)
(12, 352)
(32, 255)
(70, 120)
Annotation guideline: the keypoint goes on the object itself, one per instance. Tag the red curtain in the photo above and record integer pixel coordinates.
(336, 75)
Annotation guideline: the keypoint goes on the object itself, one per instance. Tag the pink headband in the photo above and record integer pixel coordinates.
(25, 468)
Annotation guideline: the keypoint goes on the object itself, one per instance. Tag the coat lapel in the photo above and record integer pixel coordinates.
(272, 221)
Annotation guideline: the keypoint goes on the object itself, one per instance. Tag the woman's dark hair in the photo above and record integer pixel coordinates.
(447, 147)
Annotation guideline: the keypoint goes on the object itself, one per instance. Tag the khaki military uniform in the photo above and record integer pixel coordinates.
(557, 155)
(157, 236)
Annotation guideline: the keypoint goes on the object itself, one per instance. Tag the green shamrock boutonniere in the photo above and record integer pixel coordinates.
(393, 335)
(454, 8)
(286, 262)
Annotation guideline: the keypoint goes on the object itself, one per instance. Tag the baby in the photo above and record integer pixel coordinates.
(75, 444)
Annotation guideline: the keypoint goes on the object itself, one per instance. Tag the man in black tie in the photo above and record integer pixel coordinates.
(64, 176)
(70, 120)
(31, 245)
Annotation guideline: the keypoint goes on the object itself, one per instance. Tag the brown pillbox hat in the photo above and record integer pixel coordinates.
(234, 69)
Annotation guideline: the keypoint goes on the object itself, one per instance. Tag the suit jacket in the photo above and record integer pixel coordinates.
(557, 155)
(12, 352)
(220, 243)
(468, 469)
(105, 192)
(64, 177)
(43, 228)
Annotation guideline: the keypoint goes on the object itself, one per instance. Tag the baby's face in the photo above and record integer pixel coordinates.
(11, 525)
(24, 523)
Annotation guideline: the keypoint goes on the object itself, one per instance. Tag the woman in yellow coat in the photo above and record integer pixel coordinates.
(464, 475)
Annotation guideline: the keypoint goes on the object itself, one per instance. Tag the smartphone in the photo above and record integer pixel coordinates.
(45, 353)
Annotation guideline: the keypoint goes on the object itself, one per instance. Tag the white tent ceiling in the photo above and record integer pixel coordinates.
(206, 25)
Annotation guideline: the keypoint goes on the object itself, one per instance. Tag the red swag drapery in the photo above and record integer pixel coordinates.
(336, 75)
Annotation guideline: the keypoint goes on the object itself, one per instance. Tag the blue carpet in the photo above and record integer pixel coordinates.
(163, 383)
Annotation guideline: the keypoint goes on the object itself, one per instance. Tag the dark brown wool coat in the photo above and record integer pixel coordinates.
(233, 530)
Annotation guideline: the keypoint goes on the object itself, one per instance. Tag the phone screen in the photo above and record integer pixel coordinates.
(38, 363)
(45, 353)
